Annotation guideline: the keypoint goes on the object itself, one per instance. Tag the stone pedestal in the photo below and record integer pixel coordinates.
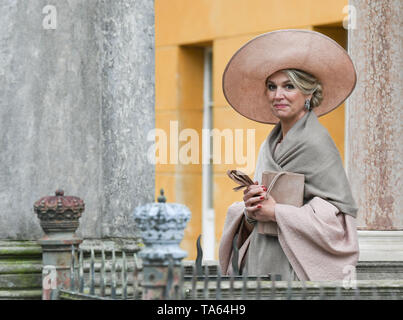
(57, 261)
(59, 218)
(162, 228)
(374, 149)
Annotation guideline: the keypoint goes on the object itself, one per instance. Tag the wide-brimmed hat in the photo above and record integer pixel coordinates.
(244, 78)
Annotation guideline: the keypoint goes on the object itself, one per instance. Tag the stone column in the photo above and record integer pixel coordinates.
(76, 104)
(374, 127)
(126, 28)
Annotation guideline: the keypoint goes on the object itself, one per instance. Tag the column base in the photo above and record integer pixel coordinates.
(381, 255)
(380, 245)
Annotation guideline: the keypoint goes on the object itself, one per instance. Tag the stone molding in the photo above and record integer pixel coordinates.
(380, 245)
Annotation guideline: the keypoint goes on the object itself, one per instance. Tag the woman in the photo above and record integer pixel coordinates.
(288, 78)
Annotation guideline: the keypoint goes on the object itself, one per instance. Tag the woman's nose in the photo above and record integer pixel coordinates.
(279, 94)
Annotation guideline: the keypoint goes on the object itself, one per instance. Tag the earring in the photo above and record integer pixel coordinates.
(307, 104)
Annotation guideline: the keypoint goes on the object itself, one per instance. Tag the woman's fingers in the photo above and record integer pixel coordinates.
(254, 200)
(252, 210)
(248, 188)
(254, 191)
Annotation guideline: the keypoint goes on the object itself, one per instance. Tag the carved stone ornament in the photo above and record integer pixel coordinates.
(162, 228)
(59, 213)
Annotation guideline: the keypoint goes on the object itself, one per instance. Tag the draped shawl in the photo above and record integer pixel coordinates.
(308, 149)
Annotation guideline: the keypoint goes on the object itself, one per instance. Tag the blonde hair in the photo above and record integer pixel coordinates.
(307, 83)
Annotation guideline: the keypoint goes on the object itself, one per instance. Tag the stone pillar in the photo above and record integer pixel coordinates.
(59, 218)
(76, 104)
(162, 228)
(374, 127)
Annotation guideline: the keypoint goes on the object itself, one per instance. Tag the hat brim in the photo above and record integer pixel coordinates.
(244, 78)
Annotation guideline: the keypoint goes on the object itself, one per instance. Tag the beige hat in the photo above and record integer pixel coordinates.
(244, 78)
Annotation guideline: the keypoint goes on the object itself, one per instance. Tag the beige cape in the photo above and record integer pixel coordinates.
(320, 242)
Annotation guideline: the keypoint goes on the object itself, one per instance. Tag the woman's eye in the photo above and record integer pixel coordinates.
(290, 86)
(271, 87)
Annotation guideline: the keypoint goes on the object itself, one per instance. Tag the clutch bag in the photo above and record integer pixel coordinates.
(285, 188)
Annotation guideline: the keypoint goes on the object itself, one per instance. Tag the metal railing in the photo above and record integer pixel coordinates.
(104, 275)
(157, 271)
(111, 275)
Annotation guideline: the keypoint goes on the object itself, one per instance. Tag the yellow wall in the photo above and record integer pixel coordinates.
(183, 29)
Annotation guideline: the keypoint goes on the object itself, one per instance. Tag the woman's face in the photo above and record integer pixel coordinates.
(286, 100)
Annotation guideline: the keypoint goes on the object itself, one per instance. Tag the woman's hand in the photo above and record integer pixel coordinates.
(256, 206)
(265, 210)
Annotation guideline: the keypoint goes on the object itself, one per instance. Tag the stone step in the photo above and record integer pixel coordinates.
(380, 270)
(21, 249)
(282, 290)
(366, 270)
(20, 270)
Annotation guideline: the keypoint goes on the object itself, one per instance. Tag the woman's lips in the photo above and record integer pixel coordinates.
(280, 106)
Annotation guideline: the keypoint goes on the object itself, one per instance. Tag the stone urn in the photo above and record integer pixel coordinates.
(59, 213)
